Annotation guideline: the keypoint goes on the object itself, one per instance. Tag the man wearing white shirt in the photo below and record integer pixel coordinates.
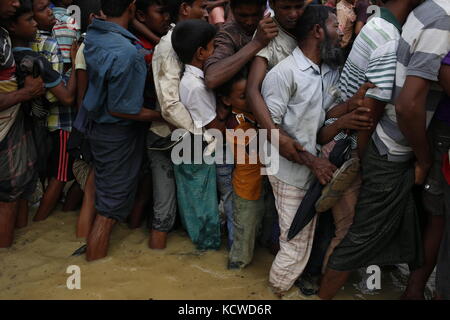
(297, 94)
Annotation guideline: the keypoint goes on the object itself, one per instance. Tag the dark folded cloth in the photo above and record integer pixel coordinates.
(18, 175)
(386, 228)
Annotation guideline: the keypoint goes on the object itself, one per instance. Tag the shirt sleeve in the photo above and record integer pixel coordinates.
(276, 93)
(430, 47)
(168, 91)
(126, 84)
(80, 61)
(267, 53)
(381, 71)
(223, 48)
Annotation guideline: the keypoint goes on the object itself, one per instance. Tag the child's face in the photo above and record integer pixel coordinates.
(43, 15)
(237, 98)
(197, 10)
(156, 18)
(25, 28)
(288, 12)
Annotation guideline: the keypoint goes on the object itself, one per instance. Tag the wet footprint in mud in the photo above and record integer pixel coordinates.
(80, 251)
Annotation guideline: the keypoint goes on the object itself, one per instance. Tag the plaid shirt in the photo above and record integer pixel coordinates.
(60, 117)
(65, 32)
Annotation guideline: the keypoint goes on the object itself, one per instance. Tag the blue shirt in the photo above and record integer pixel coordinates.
(117, 73)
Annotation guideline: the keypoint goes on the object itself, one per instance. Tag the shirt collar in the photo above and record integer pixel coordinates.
(387, 15)
(304, 63)
(107, 26)
(195, 71)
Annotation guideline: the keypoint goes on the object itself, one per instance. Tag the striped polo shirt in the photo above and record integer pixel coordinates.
(65, 31)
(373, 58)
(425, 41)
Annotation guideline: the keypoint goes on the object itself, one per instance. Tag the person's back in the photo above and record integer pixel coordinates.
(373, 58)
(110, 52)
(428, 23)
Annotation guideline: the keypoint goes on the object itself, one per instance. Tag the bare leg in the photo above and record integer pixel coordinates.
(158, 240)
(432, 241)
(22, 214)
(332, 282)
(74, 198)
(142, 199)
(8, 213)
(50, 199)
(98, 240)
(87, 213)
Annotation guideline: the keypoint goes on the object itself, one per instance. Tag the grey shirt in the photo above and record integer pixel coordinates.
(298, 94)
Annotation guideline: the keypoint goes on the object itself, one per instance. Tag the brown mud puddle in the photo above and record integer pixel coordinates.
(35, 268)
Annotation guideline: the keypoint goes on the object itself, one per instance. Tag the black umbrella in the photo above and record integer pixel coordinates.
(307, 210)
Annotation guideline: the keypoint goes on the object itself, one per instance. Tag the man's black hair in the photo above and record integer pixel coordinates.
(87, 7)
(314, 14)
(173, 7)
(226, 88)
(26, 6)
(144, 4)
(189, 35)
(115, 8)
(237, 3)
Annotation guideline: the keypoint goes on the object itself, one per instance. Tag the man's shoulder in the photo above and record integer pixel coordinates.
(230, 27)
(379, 30)
(284, 69)
(165, 45)
(230, 30)
(429, 14)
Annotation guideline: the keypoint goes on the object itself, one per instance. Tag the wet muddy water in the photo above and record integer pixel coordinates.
(35, 268)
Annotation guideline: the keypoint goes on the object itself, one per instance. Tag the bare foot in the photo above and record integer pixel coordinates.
(98, 240)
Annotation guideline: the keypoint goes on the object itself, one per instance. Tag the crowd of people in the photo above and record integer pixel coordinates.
(355, 98)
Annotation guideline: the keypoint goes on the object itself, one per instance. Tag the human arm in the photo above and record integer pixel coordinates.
(411, 117)
(66, 93)
(82, 85)
(355, 102)
(144, 115)
(33, 88)
(166, 74)
(444, 78)
(146, 32)
(411, 104)
(358, 26)
(223, 69)
(213, 4)
(358, 120)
